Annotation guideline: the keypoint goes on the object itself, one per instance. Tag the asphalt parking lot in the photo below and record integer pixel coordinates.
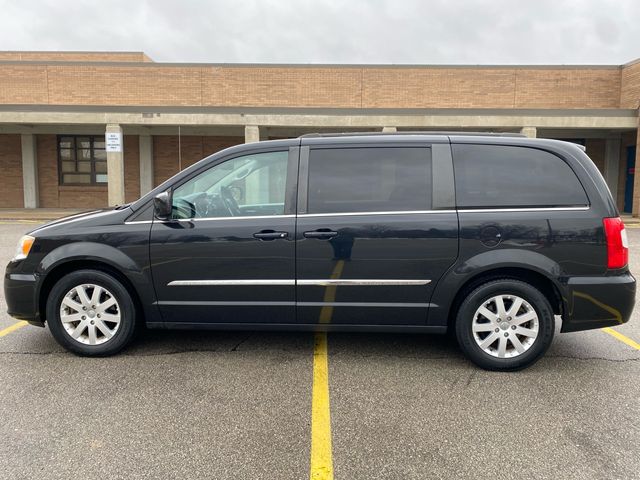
(238, 405)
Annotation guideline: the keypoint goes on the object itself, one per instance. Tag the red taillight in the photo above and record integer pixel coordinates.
(617, 243)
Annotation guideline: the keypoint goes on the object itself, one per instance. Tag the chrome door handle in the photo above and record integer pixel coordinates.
(320, 234)
(269, 235)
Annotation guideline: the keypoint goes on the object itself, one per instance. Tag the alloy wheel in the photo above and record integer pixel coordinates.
(90, 314)
(505, 326)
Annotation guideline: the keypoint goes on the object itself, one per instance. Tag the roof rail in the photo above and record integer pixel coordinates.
(366, 134)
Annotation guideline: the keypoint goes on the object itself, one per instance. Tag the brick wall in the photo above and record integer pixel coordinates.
(23, 84)
(11, 193)
(282, 86)
(567, 88)
(307, 86)
(131, 168)
(596, 149)
(630, 86)
(46, 151)
(490, 88)
(193, 148)
(122, 85)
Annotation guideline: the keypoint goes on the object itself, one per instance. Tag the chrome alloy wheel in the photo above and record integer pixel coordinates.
(505, 326)
(90, 314)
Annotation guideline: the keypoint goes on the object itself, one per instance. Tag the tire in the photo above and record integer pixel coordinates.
(101, 331)
(509, 338)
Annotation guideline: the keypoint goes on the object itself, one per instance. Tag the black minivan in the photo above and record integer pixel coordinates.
(489, 236)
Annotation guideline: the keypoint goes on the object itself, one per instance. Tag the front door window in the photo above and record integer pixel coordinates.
(244, 186)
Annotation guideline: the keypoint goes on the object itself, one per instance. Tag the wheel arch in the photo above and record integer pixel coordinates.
(535, 278)
(54, 274)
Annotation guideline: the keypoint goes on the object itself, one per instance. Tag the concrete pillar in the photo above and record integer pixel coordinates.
(146, 163)
(612, 164)
(115, 167)
(29, 170)
(531, 132)
(389, 129)
(636, 179)
(251, 134)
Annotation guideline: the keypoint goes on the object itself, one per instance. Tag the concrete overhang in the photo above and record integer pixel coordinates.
(320, 117)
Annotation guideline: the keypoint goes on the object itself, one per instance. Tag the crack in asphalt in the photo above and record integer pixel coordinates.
(614, 360)
(235, 349)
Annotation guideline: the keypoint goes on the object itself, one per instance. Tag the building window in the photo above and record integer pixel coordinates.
(82, 160)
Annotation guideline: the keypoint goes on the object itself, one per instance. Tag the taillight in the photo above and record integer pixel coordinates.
(617, 243)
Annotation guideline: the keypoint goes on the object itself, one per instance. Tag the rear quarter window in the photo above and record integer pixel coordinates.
(507, 176)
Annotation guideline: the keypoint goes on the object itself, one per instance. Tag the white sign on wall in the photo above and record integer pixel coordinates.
(113, 141)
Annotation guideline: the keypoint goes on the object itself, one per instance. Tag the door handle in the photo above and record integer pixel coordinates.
(269, 235)
(321, 234)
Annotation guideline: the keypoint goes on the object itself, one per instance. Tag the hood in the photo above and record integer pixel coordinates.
(103, 216)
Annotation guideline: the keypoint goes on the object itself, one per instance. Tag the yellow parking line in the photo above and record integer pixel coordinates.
(20, 222)
(12, 328)
(622, 338)
(321, 460)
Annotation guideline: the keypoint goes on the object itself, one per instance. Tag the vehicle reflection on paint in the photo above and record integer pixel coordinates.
(611, 312)
(326, 312)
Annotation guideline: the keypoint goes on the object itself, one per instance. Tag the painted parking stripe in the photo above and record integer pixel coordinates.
(12, 328)
(622, 338)
(321, 455)
(321, 459)
(21, 222)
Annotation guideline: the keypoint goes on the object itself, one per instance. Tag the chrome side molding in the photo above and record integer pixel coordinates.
(360, 282)
(195, 283)
(325, 282)
(527, 209)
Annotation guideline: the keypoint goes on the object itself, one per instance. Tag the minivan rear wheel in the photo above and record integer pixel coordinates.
(91, 313)
(504, 325)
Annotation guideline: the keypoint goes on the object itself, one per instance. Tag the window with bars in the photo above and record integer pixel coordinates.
(82, 160)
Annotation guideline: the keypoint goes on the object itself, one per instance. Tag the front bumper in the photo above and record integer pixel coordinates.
(20, 295)
(596, 302)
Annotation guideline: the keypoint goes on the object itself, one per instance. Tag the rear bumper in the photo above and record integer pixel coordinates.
(20, 295)
(595, 302)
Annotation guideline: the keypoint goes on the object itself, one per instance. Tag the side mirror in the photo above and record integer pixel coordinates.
(162, 206)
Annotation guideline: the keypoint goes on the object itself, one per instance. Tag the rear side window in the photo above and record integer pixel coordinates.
(369, 180)
(501, 176)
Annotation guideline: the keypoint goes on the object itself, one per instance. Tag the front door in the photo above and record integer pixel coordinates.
(371, 244)
(227, 255)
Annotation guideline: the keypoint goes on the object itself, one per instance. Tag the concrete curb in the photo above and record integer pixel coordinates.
(34, 214)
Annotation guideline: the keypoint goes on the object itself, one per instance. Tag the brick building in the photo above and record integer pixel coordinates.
(55, 108)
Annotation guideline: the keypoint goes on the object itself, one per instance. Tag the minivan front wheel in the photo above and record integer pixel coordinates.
(505, 325)
(91, 313)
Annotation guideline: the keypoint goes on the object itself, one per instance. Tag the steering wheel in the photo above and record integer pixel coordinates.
(230, 202)
(184, 209)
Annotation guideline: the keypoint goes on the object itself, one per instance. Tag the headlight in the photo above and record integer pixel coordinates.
(24, 247)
